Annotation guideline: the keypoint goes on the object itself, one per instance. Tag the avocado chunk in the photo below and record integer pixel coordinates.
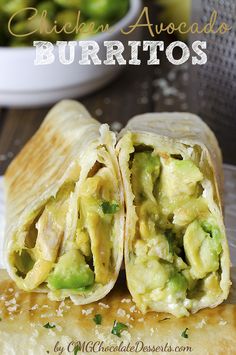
(148, 274)
(201, 251)
(178, 285)
(194, 208)
(179, 177)
(71, 272)
(214, 233)
(145, 171)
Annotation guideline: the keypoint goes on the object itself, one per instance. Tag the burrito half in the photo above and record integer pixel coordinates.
(176, 252)
(65, 213)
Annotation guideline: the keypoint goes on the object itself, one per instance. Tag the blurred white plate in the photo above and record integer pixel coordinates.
(24, 84)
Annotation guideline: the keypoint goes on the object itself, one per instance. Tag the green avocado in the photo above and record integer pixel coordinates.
(177, 283)
(202, 251)
(71, 272)
(71, 4)
(179, 177)
(189, 211)
(48, 6)
(214, 233)
(10, 7)
(145, 171)
(67, 17)
(148, 274)
(104, 9)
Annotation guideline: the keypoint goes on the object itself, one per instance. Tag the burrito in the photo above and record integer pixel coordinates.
(64, 208)
(176, 251)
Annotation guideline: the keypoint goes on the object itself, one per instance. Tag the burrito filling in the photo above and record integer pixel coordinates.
(177, 245)
(87, 258)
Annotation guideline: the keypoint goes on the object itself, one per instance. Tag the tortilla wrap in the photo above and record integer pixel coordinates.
(64, 208)
(176, 252)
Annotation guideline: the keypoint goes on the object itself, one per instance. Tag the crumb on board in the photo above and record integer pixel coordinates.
(126, 300)
(87, 311)
(103, 305)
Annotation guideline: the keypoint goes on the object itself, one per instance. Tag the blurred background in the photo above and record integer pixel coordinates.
(116, 96)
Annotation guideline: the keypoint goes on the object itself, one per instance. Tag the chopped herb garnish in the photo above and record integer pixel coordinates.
(0, 319)
(77, 349)
(118, 328)
(109, 207)
(184, 333)
(49, 326)
(97, 319)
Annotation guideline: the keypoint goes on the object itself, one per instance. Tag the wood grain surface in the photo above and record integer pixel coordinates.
(138, 89)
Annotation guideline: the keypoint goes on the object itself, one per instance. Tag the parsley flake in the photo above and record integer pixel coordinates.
(109, 207)
(118, 328)
(77, 349)
(184, 333)
(49, 326)
(97, 319)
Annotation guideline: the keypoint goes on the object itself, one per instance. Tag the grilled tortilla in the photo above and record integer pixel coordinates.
(64, 205)
(176, 252)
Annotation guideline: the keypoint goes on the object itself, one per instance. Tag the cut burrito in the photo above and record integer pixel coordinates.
(65, 214)
(176, 252)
